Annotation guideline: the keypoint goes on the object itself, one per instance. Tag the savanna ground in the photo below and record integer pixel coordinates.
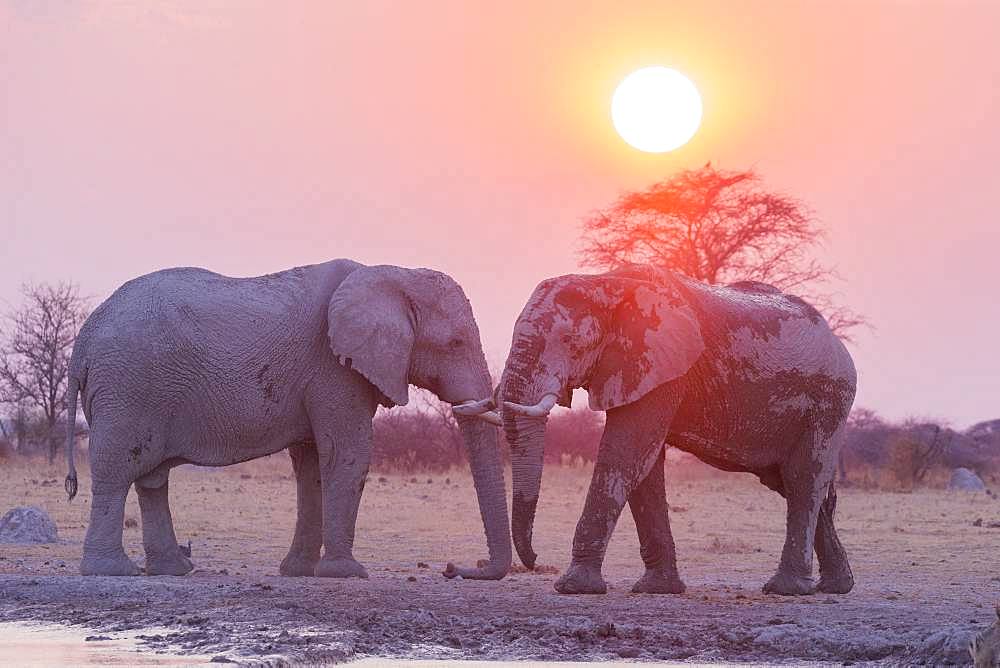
(927, 577)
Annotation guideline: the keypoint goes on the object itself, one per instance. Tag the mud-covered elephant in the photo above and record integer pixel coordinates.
(744, 377)
(187, 366)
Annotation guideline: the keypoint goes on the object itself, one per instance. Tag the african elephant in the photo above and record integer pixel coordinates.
(744, 377)
(187, 366)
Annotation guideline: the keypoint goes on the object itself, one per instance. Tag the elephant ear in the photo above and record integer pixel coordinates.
(370, 326)
(654, 337)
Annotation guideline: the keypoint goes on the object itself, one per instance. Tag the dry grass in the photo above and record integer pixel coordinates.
(725, 525)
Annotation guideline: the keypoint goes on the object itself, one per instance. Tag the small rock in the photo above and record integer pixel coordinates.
(221, 659)
(27, 524)
(978, 522)
(93, 638)
(628, 652)
(245, 476)
(412, 578)
(413, 479)
(383, 480)
(965, 480)
(421, 564)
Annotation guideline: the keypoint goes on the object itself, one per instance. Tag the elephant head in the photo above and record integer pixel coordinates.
(399, 326)
(619, 335)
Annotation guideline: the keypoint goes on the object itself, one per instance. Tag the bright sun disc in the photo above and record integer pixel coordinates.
(656, 109)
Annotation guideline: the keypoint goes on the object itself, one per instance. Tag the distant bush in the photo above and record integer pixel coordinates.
(415, 440)
(425, 437)
(914, 452)
(27, 431)
(573, 436)
(6, 449)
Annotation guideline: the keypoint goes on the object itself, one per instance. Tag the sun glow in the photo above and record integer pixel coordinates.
(656, 109)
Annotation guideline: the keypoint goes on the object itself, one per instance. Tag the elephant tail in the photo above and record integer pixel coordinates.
(72, 391)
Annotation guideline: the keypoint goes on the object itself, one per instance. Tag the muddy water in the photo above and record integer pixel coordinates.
(443, 663)
(36, 644)
(32, 645)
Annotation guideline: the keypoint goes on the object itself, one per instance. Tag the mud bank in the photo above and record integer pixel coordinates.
(305, 620)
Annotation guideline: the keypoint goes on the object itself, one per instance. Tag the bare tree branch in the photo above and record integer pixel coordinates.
(35, 348)
(718, 227)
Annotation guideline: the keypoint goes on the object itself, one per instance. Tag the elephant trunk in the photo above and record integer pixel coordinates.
(527, 439)
(522, 387)
(482, 446)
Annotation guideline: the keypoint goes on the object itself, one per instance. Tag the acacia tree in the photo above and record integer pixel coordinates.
(717, 226)
(35, 351)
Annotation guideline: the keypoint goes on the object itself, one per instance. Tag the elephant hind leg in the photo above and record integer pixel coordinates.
(835, 576)
(163, 554)
(103, 553)
(805, 476)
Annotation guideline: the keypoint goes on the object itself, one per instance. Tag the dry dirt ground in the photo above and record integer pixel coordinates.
(927, 577)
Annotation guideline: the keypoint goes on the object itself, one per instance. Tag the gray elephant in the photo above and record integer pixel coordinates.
(744, 377)
(187, 366)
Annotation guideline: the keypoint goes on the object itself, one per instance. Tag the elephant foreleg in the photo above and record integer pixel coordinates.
(163, 555)
(630, 447)
(648, 504)
(308, 540)
(344, 457)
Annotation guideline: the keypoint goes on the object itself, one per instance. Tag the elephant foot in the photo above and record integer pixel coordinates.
(786, 584)
(840, 583)
(655, 581)
(174, 563)
(339, 568)
(115, 564)
(580, 579)
(298, 565)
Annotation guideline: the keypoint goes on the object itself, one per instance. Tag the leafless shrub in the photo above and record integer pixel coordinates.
(421, 437)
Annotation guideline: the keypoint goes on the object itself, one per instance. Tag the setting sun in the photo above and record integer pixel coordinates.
(656, 109)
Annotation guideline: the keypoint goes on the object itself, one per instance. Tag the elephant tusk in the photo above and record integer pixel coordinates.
(473, 408)
(482, 409)
(541, 409)
(492, 417)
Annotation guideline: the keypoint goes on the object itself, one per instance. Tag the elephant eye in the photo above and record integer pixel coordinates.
(454, 344)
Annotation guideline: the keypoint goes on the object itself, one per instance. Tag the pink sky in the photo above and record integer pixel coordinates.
(244, 139)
